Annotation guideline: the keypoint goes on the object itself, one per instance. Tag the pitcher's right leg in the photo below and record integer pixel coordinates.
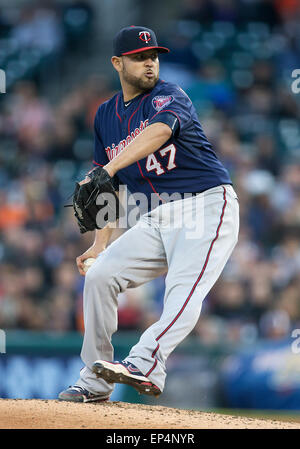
(135, 258)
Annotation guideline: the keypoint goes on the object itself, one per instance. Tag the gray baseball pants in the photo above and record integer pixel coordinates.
(191, 240)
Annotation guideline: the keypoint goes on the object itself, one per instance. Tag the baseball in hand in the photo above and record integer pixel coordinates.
(87, 263)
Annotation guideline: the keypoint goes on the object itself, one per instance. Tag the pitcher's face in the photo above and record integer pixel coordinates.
(140, 70)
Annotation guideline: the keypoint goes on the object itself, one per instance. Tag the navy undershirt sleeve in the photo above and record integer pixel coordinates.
(100, 156)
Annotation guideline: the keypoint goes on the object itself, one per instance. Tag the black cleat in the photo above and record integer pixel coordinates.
(79, 394)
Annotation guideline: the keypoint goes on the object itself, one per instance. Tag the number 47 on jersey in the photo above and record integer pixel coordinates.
(153, 164)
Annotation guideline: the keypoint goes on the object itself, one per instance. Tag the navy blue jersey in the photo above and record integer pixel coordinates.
(186, 163)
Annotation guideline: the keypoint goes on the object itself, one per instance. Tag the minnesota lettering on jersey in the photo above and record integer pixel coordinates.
(114, 150)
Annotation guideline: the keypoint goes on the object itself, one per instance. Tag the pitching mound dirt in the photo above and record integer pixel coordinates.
(46, 414)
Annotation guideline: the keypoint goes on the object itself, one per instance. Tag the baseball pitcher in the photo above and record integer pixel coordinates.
(148, 138)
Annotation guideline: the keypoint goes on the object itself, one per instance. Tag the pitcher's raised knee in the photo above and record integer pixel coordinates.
(99, 271)
(102, 274)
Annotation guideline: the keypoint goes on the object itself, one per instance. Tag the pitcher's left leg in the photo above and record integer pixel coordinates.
(194, 267)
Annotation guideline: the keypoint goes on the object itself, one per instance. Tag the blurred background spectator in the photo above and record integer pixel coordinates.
(234, 58)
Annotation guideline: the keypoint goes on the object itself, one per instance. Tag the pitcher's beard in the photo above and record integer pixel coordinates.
(138, 83)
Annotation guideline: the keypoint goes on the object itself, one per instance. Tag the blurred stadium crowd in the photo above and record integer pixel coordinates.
(234, 58)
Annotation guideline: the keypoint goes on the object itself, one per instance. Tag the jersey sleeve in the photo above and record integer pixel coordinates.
(168, 119)
(171, 101)
(100, 156)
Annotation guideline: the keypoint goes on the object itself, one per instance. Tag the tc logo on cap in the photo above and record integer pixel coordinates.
(145, 36)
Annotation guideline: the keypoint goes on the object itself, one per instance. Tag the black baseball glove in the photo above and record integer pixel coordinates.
(96, 203)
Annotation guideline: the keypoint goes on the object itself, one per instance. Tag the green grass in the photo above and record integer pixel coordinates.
(278, 415)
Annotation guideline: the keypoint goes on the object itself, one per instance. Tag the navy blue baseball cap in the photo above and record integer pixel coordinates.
(134, 39)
